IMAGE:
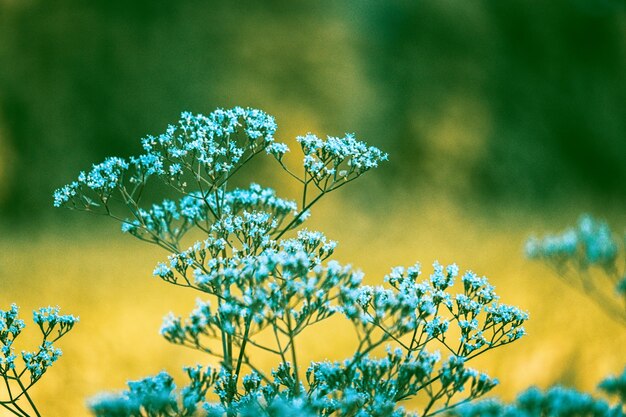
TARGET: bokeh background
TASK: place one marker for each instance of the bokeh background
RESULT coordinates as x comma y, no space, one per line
500,118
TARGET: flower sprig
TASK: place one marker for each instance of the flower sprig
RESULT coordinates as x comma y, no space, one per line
19,378
425,310
332,162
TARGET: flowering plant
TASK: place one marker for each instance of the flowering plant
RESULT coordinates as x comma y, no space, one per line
19,378
265,279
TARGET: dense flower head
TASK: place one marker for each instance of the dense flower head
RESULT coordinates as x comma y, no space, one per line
10,328
49,319
442,280
428,308
65,194
252,406
196,157
454,376
258,198
277,149
286,278
10,324
334,389
200,149
336,160
38,362
312,242
102,179
154,393
160,220
211,142
359,386
270,286
338,386
255,251
105,175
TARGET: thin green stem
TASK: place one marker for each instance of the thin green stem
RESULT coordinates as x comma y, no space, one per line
12,410
295,219
242,349
24,391
294,357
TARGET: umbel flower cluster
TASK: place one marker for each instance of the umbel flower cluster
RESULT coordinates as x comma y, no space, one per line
264,279
21,373
590,258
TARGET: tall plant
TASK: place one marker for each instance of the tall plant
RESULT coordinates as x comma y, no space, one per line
265,279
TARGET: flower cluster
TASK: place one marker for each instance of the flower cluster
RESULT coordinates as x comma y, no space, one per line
48,319
103,179
169,221
209,147
334,161
287,289
38,362
416,309
203,150
263,282
425,311
355,387
346,388
53,326
574,252
10,328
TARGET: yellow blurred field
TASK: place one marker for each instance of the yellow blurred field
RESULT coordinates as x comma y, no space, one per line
106,279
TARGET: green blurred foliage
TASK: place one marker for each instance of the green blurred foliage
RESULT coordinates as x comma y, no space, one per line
550,78
519,101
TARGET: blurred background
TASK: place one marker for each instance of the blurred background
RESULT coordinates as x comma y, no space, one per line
501,119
